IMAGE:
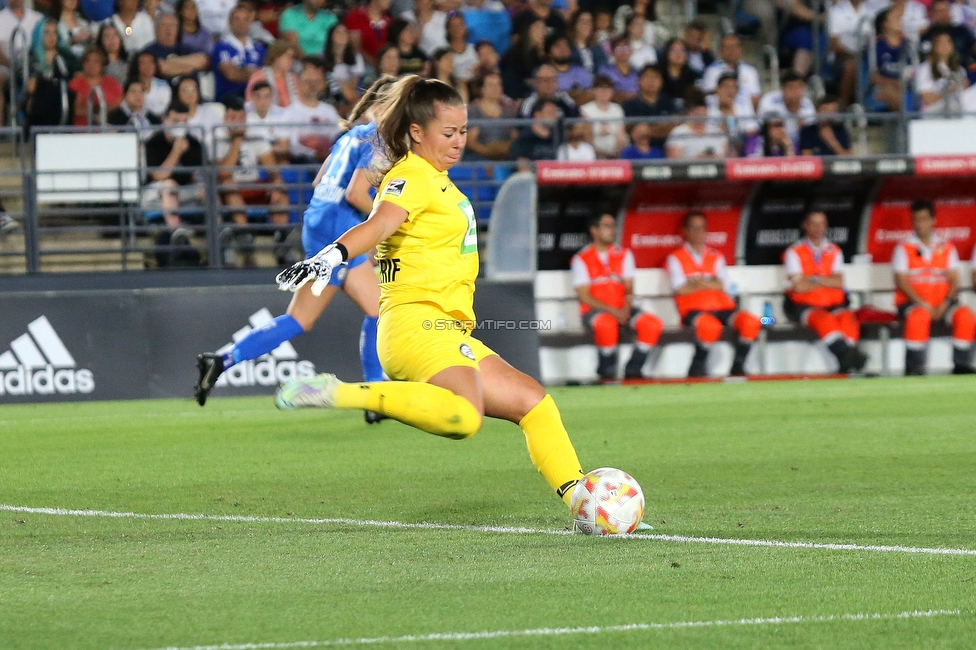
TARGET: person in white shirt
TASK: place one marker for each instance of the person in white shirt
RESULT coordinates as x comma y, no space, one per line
576,148
940,81
642,52
733,113
15,16
696,138
135,26
790,103
730,51
215,15
314,124
849,25
606,117
145,67
266,121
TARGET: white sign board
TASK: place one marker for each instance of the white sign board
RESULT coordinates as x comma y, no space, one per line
87,167
942,137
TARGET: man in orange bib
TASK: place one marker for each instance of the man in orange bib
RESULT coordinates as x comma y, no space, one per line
927,282
603,275
700,283
816,297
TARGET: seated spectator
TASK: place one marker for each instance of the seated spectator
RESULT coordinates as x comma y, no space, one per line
572,79
367,28
134,26
488,20
203,117
277,73
603,276
577,148
51,66
816,297
315,124
847,24
677,76
609,135
538,141
132,111
647,9
697,138
796,40
940,79
193,35
242,154
465,58
14,16
735,114
255,28
527,53
265,120
775,141
926,269
151,7
488,59
442,67
642,52
236,57
913,15
404,36
110,43
730,53
215,16
620,72
74,29
891,50
829,136
168,188
306,25
698,44
539,10
603,27
546,83
93,75
587,53
642,147
651,102
791,103
703,295
173,59
144,68
344,66
487,141
432,24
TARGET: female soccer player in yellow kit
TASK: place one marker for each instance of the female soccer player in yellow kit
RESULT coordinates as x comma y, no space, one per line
424,230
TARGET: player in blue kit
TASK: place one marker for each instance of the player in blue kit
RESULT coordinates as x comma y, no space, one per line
343,198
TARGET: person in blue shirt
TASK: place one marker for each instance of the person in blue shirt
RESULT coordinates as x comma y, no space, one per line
343,198
236,56
891,49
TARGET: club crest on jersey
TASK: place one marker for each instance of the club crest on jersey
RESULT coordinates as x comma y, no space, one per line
467,351
395,187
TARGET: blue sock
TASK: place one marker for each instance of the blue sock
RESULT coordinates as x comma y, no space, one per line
372,370
263,340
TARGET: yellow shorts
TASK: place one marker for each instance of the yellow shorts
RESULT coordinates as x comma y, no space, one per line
415,341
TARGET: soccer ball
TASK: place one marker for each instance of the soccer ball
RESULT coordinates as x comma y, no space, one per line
607,501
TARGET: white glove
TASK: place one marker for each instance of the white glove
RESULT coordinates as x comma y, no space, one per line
319,268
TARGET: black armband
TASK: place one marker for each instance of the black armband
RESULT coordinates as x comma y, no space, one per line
342,250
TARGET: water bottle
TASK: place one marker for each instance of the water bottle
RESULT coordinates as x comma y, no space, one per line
767,320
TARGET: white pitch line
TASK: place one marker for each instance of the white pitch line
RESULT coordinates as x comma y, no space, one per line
563,631
681,539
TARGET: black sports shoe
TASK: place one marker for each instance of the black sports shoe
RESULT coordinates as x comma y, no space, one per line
963,370
372,417
853,361
738,369
210,365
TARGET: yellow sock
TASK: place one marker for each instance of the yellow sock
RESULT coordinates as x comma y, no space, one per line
430,408
550,449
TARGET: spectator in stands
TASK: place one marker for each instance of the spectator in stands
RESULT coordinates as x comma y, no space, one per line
609,135
586,53
404,36
926,269
465,58
735,115
577,147
92,75
277,73
703,295
698,45
774,139
912,14
539,10
488,59
173,59
266,120
940,79
215,16
651,100
74,29
488,20
572,79
643,8
891,51
677,76
816,297
730,52
642,52
14,16
603,275
940,19
442,67
168,188
255,28
145,68
306,25
489,141
367,28
51,69
828,136
203,118
848,27
193,35
388,63
110,43
546,83
236,57
132,111
603,26
523,58
643,147
432,24
151,7
318,122
134,26
697,137
791,103
797,36
620,72
344,66
538,141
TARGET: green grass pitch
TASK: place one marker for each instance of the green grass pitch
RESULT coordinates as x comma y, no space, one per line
872,462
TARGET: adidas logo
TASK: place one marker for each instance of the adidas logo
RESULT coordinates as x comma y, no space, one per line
271,369
38,363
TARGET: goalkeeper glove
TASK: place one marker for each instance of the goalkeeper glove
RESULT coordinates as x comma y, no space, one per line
318,268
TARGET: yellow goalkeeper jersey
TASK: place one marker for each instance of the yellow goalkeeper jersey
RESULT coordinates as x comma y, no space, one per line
433,256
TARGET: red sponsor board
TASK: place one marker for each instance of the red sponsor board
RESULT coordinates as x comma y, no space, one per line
652,226
891,217
773,169
595,173
945,166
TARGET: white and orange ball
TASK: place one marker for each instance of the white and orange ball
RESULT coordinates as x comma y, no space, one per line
607,501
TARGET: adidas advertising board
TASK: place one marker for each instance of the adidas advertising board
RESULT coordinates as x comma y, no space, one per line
270,370
38,363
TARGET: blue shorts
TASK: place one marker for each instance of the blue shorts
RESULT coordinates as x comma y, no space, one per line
323,225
